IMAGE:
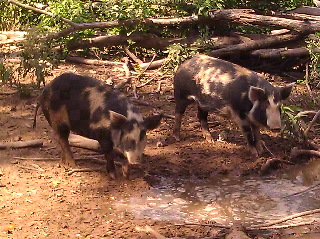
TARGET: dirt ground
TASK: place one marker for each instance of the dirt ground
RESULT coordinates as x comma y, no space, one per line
38,199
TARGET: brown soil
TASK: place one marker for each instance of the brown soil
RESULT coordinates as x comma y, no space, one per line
39,200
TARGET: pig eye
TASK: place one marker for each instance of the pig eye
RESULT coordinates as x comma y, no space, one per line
129,144
142,134
264,105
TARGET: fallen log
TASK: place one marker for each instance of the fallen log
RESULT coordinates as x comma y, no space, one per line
129,22
21,144
147,41
295,152
93,62
281,52
253,45
152,65
231,15
85,143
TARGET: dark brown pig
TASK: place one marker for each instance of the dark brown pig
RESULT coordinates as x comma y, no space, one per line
95,110
217,85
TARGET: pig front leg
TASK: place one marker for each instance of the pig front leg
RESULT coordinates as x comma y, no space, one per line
252,135
257,138
107,149
203,119
249,136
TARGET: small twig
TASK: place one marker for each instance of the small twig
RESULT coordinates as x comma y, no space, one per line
304,191
273,162
295,152
146,83
304,113
307,83
149,63
305,213
135,94
9,93
128,74
159,84
143,103
42,12
264,145
168,116
282,226
21,144
34,167
36,159
311,124
132,56
37,167
86,170
202,224
155,233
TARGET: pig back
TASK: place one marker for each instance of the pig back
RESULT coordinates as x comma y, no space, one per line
86,100
214,82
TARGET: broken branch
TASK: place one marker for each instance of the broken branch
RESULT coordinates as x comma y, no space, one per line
42,12
21,144
305,213
295,152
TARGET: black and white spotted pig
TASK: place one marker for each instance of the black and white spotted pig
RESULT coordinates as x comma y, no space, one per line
93,109
218,85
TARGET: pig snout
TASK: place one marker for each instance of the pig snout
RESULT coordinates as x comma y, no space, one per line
134,158
273,118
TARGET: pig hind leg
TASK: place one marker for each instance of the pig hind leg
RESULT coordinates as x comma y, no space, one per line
181,106
203,119
62,131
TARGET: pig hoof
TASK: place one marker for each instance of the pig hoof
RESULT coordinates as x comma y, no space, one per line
125,171
177,137
112,175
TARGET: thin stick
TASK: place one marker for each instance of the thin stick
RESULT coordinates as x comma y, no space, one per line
202,224
143,103
21,144
36,159
146,83
283,226
128,74
146,68
305,213
304,191
86,170
9,93
264,145
132,56
155,233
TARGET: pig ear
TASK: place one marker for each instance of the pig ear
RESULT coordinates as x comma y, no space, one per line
117,120
286,90
151,122
255,93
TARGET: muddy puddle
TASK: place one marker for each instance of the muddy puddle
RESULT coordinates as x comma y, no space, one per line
225,200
